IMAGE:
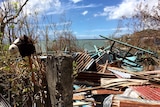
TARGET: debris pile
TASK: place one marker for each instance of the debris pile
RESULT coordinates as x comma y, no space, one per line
119,75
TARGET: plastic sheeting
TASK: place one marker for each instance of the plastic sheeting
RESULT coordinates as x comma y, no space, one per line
121,74
108,101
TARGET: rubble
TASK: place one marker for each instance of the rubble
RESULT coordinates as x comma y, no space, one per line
106,74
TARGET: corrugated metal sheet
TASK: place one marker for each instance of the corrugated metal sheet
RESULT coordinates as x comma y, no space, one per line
4,102
148,92
84,61
123,101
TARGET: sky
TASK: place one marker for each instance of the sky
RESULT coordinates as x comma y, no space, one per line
89,18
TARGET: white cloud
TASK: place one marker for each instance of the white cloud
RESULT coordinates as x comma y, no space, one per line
106,30
68,6
38,6
50,7
85,12
76,1
42,5
126,8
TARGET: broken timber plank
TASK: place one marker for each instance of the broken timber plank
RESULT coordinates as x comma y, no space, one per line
78,97
136,74
105,66
87,89
82,103
105,91
105,81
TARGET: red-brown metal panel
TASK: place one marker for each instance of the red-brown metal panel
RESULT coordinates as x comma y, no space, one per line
148,92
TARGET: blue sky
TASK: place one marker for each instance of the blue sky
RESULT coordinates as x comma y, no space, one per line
90,18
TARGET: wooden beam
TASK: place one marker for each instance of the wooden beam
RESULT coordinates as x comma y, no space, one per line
105,66
105,91
78,97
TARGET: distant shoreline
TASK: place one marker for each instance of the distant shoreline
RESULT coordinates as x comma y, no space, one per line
90,39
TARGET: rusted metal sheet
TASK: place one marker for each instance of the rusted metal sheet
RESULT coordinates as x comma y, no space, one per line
148,92
136,104
121,101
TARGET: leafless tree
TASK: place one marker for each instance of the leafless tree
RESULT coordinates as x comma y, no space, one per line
58,35
9,13
150,17
144,26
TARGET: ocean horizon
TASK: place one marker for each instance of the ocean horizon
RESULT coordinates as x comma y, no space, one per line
85,44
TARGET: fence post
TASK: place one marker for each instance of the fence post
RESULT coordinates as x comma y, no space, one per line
60,81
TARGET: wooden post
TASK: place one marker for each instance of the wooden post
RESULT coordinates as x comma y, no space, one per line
60,81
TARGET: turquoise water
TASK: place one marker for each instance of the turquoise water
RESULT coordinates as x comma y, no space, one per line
88,44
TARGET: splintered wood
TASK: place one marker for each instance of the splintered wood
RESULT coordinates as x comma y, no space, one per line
120,82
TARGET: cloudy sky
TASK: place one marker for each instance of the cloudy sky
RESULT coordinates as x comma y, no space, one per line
90,18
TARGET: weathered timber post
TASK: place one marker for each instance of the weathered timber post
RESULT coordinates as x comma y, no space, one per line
60,81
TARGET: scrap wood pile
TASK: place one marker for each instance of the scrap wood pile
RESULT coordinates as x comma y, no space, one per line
109,75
